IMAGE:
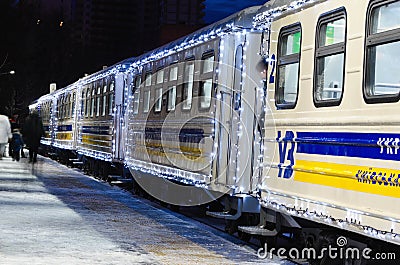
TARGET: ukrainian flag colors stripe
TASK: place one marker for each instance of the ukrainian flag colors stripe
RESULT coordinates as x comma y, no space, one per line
97,140
380,181
64,136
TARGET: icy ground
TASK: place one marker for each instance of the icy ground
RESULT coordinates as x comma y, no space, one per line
51,214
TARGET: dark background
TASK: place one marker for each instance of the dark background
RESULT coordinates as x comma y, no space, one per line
59,41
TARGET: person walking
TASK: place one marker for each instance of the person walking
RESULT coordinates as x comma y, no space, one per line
17,143
32,133
5,133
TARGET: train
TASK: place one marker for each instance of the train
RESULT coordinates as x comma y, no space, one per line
285,114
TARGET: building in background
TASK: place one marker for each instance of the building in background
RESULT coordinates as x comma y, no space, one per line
58,41
179,18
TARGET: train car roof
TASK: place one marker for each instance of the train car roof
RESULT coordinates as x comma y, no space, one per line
275,8
236,22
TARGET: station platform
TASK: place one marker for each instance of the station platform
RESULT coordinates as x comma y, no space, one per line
52,214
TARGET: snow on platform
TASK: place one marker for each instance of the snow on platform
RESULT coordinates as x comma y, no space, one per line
51,214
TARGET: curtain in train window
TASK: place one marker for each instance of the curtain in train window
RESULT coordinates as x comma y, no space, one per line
330,56
287,85
382,82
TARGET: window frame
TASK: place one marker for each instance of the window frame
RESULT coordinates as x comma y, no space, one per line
111,96
136,100
204,77
157,87
375,40
189,60
99,98
329,50
283,60
92,101
172,86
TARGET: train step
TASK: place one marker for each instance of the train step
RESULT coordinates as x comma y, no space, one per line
118,180
257,230
121,182
221,215
114,177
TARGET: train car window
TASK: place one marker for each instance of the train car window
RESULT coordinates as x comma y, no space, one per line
138,81
158,91
73,104
289,46
330,58
205,94
158,105
98,105
146,101
58,109
188,86
68,106
93,102
63,99
173,73
104,105
136,99
147,81
382,53
111,99
160,78
208,64
171,98
206,85
83,102
87,102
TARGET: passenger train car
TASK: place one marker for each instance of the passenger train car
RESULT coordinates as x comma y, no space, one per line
332,97
284,113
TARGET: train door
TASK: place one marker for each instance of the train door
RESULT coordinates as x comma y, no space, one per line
228,124
236,106
224,136
118,116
